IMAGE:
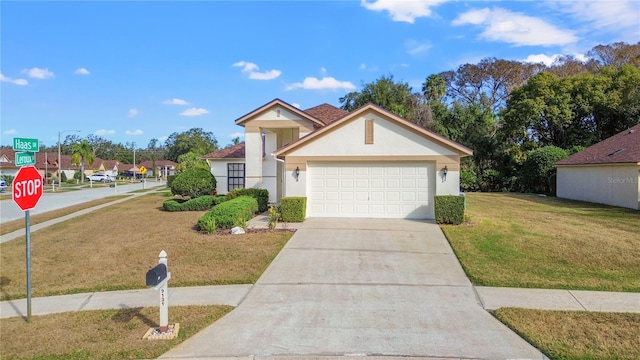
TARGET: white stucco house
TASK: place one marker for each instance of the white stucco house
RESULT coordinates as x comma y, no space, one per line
605,173
365,163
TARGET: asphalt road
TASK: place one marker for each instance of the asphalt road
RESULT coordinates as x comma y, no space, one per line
50,201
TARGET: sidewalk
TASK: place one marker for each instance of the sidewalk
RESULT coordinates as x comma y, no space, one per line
490,298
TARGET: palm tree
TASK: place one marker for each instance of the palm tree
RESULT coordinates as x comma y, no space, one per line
79,153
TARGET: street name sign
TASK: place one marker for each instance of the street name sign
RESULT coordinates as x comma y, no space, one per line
25,158
26,144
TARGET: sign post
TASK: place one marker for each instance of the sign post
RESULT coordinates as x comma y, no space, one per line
27,191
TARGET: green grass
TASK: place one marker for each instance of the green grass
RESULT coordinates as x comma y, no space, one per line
577,335
517,240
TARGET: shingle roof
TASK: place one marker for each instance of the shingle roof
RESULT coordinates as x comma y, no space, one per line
621,148
231,152
326,113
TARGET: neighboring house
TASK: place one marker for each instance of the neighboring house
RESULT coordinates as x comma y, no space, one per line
364,163
164,168
605,173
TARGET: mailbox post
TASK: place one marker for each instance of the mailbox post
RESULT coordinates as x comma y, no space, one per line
158,277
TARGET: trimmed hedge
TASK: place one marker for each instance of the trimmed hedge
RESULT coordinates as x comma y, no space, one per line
293,209
449,209
262,195
193,183
200,203
170,179
234,212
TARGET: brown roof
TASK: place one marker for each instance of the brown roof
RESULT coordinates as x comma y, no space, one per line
621,148
159,163
326,113
231,152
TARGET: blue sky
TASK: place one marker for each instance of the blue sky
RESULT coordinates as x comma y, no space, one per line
133,71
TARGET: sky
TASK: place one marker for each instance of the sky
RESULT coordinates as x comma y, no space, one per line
132,71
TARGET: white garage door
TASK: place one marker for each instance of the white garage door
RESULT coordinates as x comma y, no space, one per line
377,190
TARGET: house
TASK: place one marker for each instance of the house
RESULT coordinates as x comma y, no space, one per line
365,163
605,173
163,168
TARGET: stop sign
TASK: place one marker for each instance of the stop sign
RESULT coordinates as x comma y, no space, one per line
27,188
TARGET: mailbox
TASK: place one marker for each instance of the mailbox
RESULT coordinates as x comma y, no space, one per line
156,275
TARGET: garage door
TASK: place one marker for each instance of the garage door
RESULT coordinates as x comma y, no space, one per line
377,190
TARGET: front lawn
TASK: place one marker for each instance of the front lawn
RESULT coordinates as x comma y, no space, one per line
577,334
112,249
519,240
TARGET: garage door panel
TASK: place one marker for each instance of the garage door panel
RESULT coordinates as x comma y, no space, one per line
400,190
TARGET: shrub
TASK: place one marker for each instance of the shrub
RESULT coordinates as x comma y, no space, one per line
293,209
235,212
274,216
538,173
468,180
262,195
63,176
449,209
170,179
200,203
193,183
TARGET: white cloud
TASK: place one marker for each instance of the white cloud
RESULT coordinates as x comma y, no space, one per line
549,60
175,101
236,135
515,28
312,83
416,47
10,132
618,16
135,132
38,73
252,70
194,112
104,132
406,11
163,138
133,112
296,105
323,70
21,82
363,66
81,71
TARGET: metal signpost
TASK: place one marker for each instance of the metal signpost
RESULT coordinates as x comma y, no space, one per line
27,191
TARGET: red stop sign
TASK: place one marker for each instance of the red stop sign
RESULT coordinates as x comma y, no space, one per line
27,188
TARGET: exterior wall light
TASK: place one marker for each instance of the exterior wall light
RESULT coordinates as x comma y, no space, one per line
445,170
297,172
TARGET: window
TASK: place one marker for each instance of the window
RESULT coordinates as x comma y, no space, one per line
235,176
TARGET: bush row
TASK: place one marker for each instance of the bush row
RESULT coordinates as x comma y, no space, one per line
261,195
200,203
235,212
449,209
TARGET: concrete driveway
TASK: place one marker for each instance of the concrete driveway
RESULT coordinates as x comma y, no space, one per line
361,287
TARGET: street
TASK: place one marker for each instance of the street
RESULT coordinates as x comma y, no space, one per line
9,211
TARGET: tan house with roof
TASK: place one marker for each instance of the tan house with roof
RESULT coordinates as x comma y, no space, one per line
365,163
605,173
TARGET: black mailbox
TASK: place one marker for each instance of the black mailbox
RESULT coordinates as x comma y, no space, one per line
156,275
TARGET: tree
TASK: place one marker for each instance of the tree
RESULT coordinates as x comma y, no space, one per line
616,54
384,92
194,140
81,152
235,141
538,173
488,83
191,160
